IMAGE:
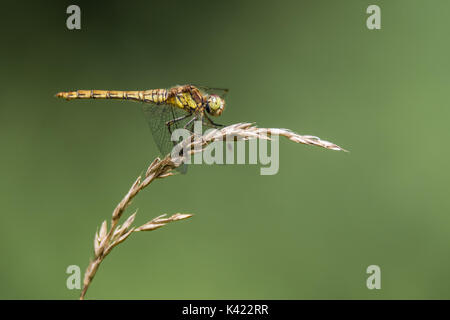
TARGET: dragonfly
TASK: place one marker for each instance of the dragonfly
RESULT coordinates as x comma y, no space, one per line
167,109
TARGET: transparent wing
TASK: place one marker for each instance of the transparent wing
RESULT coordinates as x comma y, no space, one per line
157,115
221,92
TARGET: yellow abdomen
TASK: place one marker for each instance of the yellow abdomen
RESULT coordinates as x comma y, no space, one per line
154,95
176,98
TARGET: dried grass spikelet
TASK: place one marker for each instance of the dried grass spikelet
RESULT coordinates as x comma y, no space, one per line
105,240
246,131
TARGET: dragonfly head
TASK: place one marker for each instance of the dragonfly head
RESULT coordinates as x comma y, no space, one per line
215,105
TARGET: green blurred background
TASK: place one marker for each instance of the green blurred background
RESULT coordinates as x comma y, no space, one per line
308,232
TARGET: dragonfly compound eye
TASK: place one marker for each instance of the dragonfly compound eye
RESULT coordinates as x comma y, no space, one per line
215,105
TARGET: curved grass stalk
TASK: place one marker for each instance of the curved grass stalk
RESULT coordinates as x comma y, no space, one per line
105,240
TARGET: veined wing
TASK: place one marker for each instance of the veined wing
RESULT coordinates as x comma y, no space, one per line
221,92
157,116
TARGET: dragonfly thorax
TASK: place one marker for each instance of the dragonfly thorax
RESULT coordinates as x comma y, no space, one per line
215,105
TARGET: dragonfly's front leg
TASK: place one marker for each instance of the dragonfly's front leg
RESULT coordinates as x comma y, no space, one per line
216,125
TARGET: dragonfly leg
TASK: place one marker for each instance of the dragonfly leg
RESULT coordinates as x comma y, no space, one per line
186,126
216,125
191,122
170,123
